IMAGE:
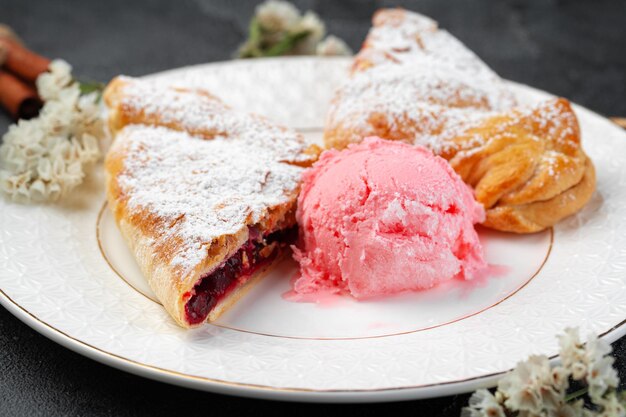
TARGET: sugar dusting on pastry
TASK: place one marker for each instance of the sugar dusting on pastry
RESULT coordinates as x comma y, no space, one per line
413,73
215,187
201,114
383,217
415,83
224,176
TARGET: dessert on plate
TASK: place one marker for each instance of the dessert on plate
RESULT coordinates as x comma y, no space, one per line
416,83
382,217
205,196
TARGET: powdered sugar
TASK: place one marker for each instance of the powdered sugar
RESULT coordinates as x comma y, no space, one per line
209,188
204,188
200,113
419,76
550,159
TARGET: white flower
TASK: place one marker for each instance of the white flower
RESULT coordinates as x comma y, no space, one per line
530,387
42,159
573,355
483,404
600,372
560,378
601,377
311,24
533,389
332,46
277,15
53,82
591,362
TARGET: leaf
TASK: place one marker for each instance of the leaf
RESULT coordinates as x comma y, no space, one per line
576,394
286,44
88,87
255,32
252,47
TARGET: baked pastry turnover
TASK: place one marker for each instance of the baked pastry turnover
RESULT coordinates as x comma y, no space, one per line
416,83
204,195
526,166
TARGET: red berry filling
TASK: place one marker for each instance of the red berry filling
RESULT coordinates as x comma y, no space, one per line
255,253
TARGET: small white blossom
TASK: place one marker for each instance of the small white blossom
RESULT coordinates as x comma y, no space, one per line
601,377
573,356
278,28
55,82
316,30
42,159
332,46
482,403
277,15
600,372
312,24
591,362
560,378
531,387
534,389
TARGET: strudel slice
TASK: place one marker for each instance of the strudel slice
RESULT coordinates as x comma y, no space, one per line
204,195
416,83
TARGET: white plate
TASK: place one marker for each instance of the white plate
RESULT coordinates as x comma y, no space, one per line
65,271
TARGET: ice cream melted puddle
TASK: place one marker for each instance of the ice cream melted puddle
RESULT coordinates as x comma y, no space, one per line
482,279
465,287
321,299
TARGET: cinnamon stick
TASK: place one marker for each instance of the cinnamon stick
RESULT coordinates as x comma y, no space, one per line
22,61
7,32
4,51
18,98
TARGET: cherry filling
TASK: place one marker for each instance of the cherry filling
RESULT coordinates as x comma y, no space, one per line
255,253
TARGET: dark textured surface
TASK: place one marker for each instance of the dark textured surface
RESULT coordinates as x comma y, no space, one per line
571,48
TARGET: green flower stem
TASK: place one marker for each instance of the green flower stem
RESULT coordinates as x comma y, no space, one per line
286,44
576,394
87,87
255,30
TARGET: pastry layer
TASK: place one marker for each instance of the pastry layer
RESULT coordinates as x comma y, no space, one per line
185,202
199,113
527,166
416,83
413,82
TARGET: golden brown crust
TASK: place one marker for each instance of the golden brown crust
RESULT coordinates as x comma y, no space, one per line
122,113
141,230
539,215
154,238
522,161
518,160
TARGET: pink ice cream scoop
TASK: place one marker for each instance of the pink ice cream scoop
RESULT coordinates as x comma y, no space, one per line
383,217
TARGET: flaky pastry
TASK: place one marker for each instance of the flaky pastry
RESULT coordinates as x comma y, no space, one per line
416,83
203,195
